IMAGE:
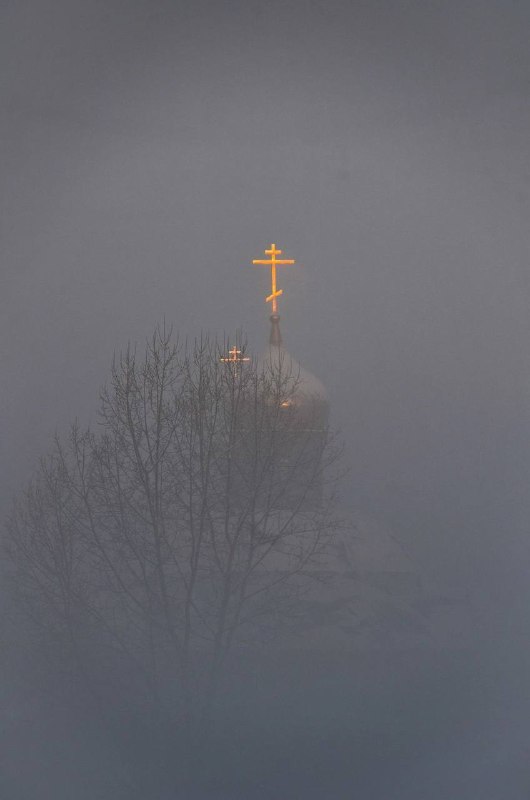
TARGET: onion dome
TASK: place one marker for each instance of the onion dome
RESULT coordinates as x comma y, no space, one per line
305,393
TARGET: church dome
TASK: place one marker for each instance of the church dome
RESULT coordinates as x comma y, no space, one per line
308,393
299,424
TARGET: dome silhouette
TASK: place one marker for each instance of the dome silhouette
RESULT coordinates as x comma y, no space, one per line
307,394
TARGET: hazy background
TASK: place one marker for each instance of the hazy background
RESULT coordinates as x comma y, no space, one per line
151,149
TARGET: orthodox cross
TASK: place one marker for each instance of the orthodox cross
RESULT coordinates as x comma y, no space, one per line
273,262
235,356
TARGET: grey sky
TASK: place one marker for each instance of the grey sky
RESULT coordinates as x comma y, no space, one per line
151,149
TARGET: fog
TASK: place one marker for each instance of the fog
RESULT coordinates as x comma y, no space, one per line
150,151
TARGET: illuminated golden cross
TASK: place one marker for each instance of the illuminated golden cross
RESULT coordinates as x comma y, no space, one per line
273,262
235,355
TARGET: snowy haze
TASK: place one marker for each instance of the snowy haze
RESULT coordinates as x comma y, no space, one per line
151,150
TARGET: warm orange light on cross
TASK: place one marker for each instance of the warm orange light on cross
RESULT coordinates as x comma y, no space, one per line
235,355
273,262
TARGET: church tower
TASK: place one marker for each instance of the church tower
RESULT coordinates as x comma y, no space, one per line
303,409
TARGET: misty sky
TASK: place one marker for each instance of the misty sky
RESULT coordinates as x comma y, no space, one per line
151,149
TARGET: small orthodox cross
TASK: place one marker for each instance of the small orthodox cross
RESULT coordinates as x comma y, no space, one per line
235,356
273,262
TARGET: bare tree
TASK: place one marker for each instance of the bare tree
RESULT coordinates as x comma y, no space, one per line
185,524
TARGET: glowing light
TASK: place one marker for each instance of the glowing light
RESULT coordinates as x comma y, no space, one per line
273,262
235,356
